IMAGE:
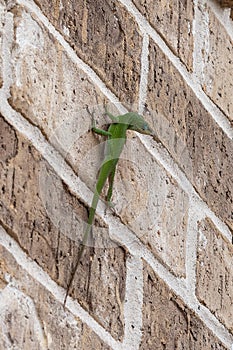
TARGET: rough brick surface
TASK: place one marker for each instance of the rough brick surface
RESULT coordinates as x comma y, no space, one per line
105,36
218,70
226,3
209,152
174,21
41,66
151,203
44,324
47,219
168,323
2,20
61,114
214,272
40,213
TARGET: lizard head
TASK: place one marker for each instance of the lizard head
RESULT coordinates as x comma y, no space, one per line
138,123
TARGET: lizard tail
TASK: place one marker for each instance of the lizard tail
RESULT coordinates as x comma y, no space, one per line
80,253
84,241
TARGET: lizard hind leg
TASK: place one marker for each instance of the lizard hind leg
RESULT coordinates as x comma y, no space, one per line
109,194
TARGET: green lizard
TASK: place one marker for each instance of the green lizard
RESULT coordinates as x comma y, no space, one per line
116,138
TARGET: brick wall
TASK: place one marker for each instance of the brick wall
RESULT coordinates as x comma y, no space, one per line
158,272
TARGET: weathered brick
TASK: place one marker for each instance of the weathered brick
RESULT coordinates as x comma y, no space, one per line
208,151
174,22
152,204
38,210
218,70
214,272
2,21
8,142
66,128
168,323
106,37
50,90
31,318
226,3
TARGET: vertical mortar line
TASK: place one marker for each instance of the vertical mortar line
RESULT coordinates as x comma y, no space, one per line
219,117
144,73
200,40
77,186
133,304
191,247
38,274
8,36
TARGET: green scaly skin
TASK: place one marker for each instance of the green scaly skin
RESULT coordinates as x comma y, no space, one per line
116,138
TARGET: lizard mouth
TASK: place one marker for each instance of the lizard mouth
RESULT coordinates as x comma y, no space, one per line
148,132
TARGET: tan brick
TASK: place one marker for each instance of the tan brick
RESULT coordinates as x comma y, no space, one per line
168,323
38,210
2,22
106,37
218,70
226,3
50,90
8,141
31,318
152,205
174,22
214,272
66,128
180,119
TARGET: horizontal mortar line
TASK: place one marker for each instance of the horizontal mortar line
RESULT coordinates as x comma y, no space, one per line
216,113
79,188
178,285
67,174
174,170
94,76
75,184
72,54
223,15
181,179
48,152
58,292
210,106
115,100
183,182
51,155
162,162
191,301
54,159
